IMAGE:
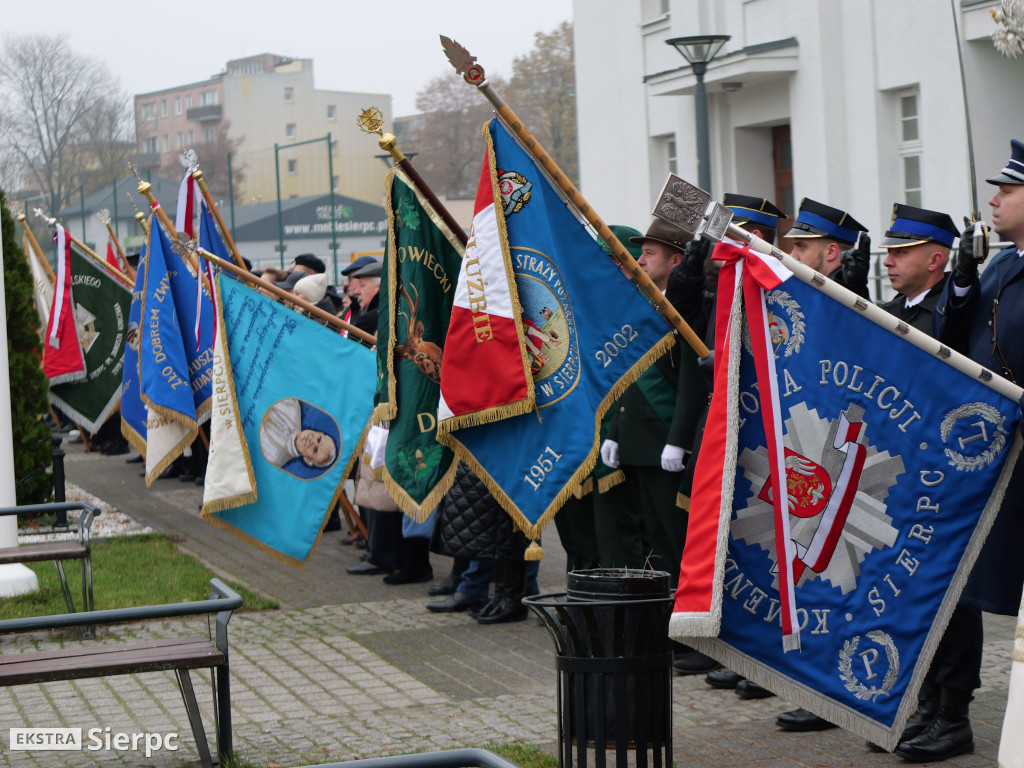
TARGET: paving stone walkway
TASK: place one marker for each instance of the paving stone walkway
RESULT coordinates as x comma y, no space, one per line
352,668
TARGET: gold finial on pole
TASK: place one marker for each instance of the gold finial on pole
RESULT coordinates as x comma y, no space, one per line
371,120
139,215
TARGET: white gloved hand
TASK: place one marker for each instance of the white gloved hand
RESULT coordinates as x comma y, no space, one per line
376,442
610,453
672,458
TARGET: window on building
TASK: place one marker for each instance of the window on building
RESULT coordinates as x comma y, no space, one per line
334,182
177,105
188,101
166,143
151,147
289,131
910,147
163,108
190,138
673,165
332,111
179,141
293,166
289,94
208,99
210,133
147,111
334,146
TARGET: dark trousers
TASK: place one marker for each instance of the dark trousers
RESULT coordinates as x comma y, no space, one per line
651,493
957,660
619,532
575,524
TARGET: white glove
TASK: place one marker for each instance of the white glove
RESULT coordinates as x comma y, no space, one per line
376,442
610,453
672,458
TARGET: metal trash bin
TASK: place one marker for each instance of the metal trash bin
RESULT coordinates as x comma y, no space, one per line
614,662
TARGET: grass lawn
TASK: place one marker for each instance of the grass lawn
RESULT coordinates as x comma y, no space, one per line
129,570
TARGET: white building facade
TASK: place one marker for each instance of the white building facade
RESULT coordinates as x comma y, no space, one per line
854,103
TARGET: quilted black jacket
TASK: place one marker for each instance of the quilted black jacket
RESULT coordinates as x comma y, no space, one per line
473,525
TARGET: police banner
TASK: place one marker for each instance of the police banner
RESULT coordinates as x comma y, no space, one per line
858,475
301,395
133,410
417,288
588,331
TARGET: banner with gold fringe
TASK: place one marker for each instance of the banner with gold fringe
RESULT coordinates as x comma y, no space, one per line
417,288
302,395
589,334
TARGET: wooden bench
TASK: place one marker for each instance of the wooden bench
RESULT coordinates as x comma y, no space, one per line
100,659
58,551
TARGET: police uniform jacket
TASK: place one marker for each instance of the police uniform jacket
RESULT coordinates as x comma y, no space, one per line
920,315
963,322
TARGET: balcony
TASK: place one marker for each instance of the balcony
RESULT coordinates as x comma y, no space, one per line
211,113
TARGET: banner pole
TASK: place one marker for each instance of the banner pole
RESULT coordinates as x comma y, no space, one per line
465,65
201,181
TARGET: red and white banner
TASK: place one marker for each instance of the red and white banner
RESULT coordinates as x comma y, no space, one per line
485,336
698,606
112,257
63,360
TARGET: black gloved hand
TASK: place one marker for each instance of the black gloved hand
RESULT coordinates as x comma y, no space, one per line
968,258
694,256
856,263
706,365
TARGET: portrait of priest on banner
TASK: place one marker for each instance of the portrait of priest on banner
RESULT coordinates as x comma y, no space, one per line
299,438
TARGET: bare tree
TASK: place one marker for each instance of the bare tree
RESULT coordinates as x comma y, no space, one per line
213,160
447,142
59,109
542,92
543,89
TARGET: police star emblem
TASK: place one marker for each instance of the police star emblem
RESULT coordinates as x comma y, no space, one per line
830,541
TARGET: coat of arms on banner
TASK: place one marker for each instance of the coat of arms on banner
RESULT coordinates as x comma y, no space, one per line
894,464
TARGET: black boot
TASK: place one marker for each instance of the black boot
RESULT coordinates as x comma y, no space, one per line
451,582
921,720
949,734
416,566
510,589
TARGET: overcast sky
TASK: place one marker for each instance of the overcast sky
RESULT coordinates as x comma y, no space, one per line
376,47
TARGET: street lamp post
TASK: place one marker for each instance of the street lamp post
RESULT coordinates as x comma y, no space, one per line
699,50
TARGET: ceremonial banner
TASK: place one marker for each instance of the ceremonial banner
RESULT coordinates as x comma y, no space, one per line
133,410
486,331
42,286
894,464
63,358
1011,743
101,305
229,480
112,256
303,395
422,264
163,361
589,333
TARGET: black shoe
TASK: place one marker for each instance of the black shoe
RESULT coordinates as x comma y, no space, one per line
486,608
799,720
746,689
694,663
200,480
366,568
917,723
186,476
508,609
135,459
446,587
457,602
723,678
949,735
412,575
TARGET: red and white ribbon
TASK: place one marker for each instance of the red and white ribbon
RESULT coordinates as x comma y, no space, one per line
62,285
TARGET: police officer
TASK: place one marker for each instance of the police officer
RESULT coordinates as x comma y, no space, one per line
832,242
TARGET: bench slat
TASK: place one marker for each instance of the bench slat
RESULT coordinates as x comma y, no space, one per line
119,659
48,550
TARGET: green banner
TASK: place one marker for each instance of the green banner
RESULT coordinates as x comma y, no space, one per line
101,317
421,268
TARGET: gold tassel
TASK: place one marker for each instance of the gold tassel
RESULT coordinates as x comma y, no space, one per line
533,552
